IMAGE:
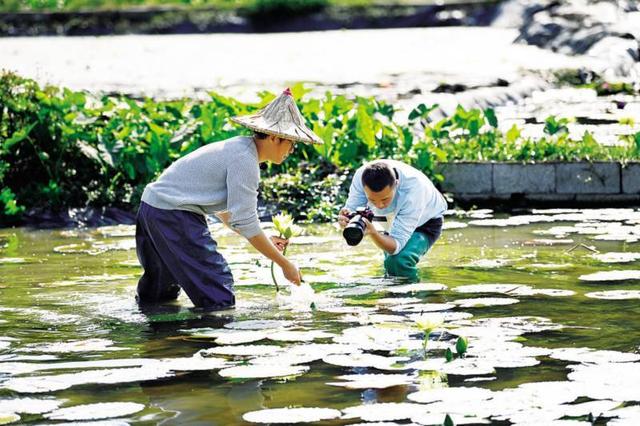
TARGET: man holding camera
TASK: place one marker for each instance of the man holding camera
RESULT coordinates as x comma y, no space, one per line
411,204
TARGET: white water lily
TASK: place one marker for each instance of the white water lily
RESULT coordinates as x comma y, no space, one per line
428,323
283,222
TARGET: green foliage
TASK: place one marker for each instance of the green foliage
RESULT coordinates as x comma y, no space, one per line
270,10
252,6
590,80
60,148
553,125
474,136
309,193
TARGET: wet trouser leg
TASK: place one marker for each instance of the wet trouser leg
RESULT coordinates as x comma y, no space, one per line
404,264
175,247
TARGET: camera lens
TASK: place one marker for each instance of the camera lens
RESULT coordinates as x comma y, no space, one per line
354,231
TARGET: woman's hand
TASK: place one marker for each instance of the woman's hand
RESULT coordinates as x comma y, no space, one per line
292,273
280,243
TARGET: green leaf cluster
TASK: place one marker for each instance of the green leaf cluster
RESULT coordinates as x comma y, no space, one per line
60,148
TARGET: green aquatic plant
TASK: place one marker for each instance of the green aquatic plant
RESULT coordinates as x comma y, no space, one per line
426,324
448,355
448,421
461,346
283,223
554,125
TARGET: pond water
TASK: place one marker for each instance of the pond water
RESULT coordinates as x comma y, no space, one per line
548,302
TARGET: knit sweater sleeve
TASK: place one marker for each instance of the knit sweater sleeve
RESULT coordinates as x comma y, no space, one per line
242,196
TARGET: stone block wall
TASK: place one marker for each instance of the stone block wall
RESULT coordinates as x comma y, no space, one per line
546,183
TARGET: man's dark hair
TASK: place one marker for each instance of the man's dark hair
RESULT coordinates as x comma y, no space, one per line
260,135
377,176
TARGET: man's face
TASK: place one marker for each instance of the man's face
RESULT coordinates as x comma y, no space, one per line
284,147
383,198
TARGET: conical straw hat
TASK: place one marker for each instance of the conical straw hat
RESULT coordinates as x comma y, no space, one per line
280,118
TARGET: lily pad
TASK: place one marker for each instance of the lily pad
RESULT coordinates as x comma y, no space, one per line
423,307
551,292
194,363
373,319
615,294
450,224
6,418
89,345
605,276
588,355
460,366
103,410
372,381
486,263
259,324
548,242
28,405
398,300
436,418
481,302
243,350
445,316
365,360
9,260
263,371
459,395
629,415
616,257
241,337
303,354
299,336
487,288
291,415
42,384
414,288
384,411
617,381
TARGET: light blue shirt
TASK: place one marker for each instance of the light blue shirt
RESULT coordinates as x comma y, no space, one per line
416,201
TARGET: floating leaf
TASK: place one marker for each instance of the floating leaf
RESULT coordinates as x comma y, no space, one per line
611,276
291,415
263,371
103,410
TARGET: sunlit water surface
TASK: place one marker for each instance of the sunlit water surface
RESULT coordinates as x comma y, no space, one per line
68,296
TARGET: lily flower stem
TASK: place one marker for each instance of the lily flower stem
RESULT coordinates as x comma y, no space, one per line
425,341
273,275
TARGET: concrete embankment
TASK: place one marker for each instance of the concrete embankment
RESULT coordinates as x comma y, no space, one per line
542,184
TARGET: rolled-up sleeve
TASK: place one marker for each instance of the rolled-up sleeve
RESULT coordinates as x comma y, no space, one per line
242,197
406,221
357,197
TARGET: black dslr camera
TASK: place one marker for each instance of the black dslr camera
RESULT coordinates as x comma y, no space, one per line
354,231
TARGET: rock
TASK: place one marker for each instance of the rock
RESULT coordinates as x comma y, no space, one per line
607,30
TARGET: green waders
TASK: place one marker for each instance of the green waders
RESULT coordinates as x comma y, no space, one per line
404,263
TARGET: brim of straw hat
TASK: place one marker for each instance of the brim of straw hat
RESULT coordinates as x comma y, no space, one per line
296,133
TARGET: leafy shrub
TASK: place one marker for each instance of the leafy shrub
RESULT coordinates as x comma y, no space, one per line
60,148
310,193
